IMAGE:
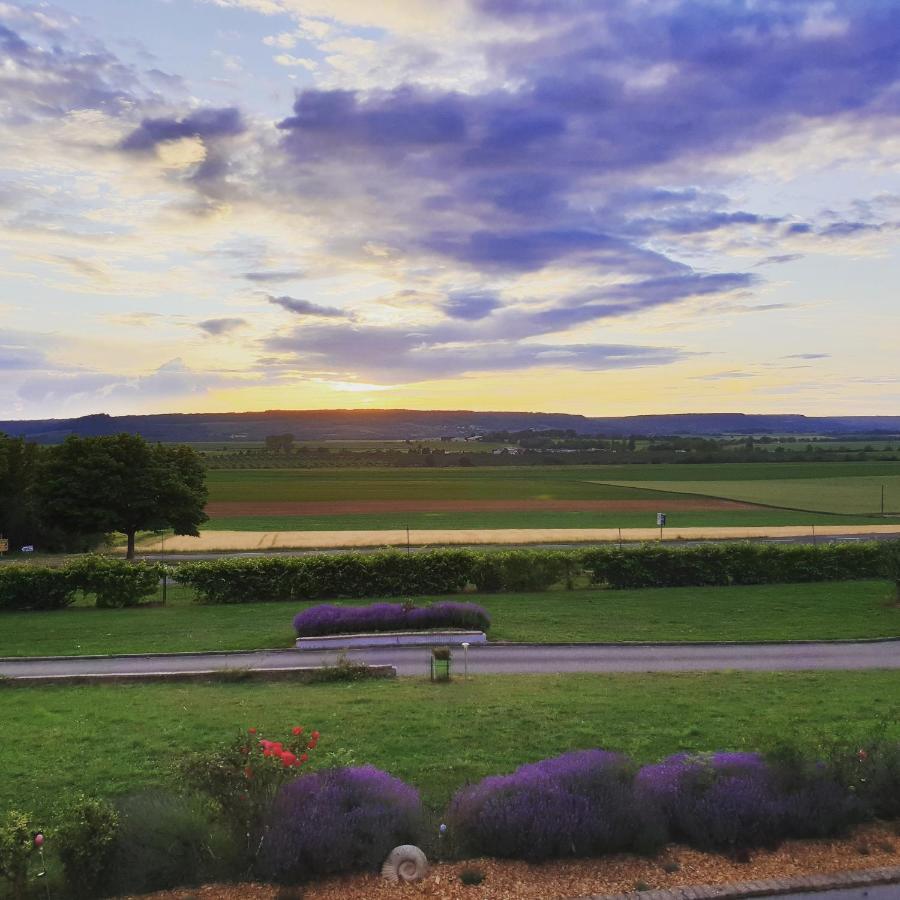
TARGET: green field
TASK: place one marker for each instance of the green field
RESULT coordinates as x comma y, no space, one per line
861,495
795,494
854,609
108,740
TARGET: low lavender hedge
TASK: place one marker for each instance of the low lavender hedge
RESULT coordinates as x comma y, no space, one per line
577,804
730,800
328,619
338,820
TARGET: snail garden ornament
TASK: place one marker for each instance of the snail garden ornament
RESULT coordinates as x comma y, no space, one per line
405,863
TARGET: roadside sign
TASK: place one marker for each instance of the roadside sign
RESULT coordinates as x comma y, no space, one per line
4,545
660,519
28,548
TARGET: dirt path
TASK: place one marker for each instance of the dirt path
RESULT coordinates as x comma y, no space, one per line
230,508
305,540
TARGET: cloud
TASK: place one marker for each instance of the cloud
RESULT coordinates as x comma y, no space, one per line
306,307
217,327
471,305
203,124
807,356
779,259
275,276
15,358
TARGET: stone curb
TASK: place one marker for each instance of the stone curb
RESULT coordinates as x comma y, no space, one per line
303,674
604,644
764,887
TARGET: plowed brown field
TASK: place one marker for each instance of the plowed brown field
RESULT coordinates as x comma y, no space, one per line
232,508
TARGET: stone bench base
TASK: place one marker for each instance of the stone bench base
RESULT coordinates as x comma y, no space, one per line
391,639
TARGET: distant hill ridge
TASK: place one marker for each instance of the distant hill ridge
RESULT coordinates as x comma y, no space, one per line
402,424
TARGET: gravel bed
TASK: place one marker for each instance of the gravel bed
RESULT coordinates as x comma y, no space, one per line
868,847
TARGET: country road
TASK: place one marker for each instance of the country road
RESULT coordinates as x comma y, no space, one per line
501,659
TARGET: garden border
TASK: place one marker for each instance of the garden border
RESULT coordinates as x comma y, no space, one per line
764,887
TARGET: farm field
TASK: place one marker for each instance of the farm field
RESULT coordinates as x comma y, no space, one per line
849,495
818,611
551,496
122,738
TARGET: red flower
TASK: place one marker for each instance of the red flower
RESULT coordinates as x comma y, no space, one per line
297,729
266,745
304,757
862,755
277,747
288,759
267,752
251,731
315,735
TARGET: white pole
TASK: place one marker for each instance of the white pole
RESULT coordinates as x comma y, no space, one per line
465,647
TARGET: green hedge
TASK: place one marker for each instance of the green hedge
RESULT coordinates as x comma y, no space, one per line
113,582
653,565
116,583
395,574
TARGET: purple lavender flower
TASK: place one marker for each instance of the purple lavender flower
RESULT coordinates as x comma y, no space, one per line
329,619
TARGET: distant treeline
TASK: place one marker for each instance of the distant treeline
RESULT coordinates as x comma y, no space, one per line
539,451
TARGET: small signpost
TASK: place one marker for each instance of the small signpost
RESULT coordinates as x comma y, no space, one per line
28,548
4,546
661,522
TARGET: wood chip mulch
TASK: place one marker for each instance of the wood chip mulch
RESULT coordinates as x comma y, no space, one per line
868,847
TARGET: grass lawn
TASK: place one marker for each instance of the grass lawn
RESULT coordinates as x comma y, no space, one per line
851,609
109,740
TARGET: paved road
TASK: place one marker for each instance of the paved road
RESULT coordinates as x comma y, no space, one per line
505,659
877,892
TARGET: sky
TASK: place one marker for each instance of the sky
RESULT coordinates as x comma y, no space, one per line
607,208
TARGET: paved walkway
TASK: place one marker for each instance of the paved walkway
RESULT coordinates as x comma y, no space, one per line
503,659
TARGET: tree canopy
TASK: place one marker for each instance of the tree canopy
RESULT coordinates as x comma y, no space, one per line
122,483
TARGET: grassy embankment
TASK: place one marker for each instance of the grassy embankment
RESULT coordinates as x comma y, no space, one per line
112,740
828,610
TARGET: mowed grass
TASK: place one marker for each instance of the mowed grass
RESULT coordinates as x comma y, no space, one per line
110,740
828,610
853,495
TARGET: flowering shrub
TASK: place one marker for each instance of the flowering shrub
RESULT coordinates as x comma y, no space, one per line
243,777
338,820
730,800
328,619
578,804
871,773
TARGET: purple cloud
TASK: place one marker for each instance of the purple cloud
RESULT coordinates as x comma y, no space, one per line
306,307
216,327
203,124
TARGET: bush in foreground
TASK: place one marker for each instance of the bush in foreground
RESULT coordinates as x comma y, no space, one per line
577,804
327,619
338,820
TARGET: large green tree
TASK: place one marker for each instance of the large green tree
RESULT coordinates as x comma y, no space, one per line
122,483
18,508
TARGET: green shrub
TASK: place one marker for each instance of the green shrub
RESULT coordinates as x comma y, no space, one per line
35,587
116,583
890,563
167,840
85,840
17,849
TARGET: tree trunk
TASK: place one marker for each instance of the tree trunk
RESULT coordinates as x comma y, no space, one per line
130,553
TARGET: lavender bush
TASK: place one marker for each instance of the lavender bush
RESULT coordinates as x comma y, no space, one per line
338,820
329,619
578,804
731,800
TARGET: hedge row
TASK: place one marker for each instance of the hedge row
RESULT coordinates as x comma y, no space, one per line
117,583
395,574
114,583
